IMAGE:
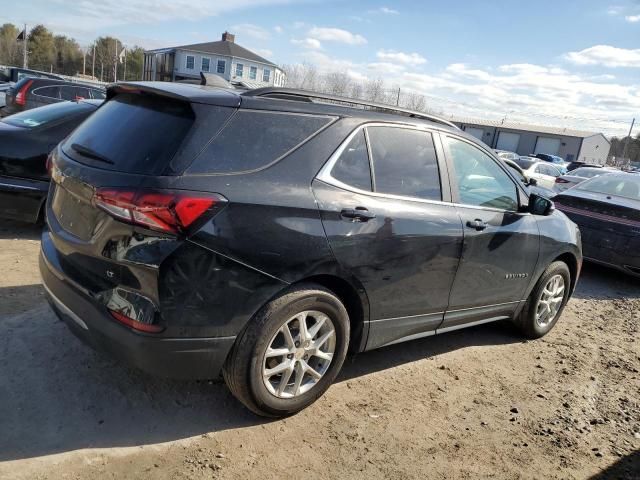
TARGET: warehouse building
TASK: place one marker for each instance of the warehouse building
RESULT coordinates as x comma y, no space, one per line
571,145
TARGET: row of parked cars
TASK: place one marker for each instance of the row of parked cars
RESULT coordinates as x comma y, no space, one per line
193,230
549,172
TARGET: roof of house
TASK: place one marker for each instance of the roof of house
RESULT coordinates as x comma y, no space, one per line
567,132
222,47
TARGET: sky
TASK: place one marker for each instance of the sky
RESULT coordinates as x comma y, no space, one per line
573,63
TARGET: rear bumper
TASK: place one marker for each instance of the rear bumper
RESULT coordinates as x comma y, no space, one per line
184,358
22,199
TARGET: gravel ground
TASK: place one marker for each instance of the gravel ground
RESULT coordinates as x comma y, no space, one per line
474,403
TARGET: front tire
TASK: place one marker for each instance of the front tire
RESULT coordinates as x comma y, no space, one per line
290,353
546,302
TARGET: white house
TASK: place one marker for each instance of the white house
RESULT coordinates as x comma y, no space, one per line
226,58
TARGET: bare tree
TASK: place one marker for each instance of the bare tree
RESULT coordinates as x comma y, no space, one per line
337,83
374,90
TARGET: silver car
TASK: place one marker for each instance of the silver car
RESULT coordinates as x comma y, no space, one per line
579,175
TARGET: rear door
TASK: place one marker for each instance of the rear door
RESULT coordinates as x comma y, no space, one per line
501,244
383,198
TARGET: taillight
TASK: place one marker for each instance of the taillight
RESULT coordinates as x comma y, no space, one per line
165,211
561,180
135,324
21,96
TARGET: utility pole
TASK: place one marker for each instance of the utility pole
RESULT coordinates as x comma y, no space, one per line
84,60
398,98
93,61
626,140
124,77
115,62
24,48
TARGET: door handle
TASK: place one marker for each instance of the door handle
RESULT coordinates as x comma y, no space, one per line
358,214
477,224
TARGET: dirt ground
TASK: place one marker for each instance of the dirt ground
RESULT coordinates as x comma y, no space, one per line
474,403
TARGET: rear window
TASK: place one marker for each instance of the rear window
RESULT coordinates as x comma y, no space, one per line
132,133
588,172
622,186
254,139
525,163
43,115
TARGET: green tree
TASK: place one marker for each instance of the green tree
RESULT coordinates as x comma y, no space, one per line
10,47
42,49
135,60
68,56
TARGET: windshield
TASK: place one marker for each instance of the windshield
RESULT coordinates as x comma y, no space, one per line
5,74
50,113
627,186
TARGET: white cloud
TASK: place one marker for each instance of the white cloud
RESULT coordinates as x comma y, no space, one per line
263,52
632,18
385,11
401,57
310,43
278,29
250,30
385,68
336,35
605,55
86,20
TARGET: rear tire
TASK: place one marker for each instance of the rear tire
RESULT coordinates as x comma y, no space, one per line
306,360
546,302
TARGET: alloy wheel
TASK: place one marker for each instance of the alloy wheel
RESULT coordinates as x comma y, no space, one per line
550,301
299,354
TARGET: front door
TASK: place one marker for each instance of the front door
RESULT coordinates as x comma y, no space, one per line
389,228
501,243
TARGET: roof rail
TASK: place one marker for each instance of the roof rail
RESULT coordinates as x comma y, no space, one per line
307,96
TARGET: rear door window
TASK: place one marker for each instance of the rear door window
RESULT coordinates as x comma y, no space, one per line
49,92
404,162
352,167
132,133
255,139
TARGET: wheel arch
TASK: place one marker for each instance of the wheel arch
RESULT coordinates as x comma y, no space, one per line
572,262
355,301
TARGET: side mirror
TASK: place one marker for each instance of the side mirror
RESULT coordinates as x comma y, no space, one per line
533,182
540,206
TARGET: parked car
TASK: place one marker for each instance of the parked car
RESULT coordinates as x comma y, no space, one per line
607,209
558,161
31,93
15,74
10,75
574,165
26,139
530,183
543,172
250,233
504,154
579,175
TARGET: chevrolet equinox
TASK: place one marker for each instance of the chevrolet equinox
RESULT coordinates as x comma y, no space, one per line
194,231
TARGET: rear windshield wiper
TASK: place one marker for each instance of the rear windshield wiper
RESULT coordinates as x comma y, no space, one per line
89,153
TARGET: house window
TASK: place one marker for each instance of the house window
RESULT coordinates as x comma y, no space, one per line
206,64
253,72
239,69
266,75
191,62
222,66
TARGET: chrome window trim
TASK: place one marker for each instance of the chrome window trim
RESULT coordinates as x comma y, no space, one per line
325,172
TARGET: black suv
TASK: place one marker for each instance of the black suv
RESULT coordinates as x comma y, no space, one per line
194,230
31,93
